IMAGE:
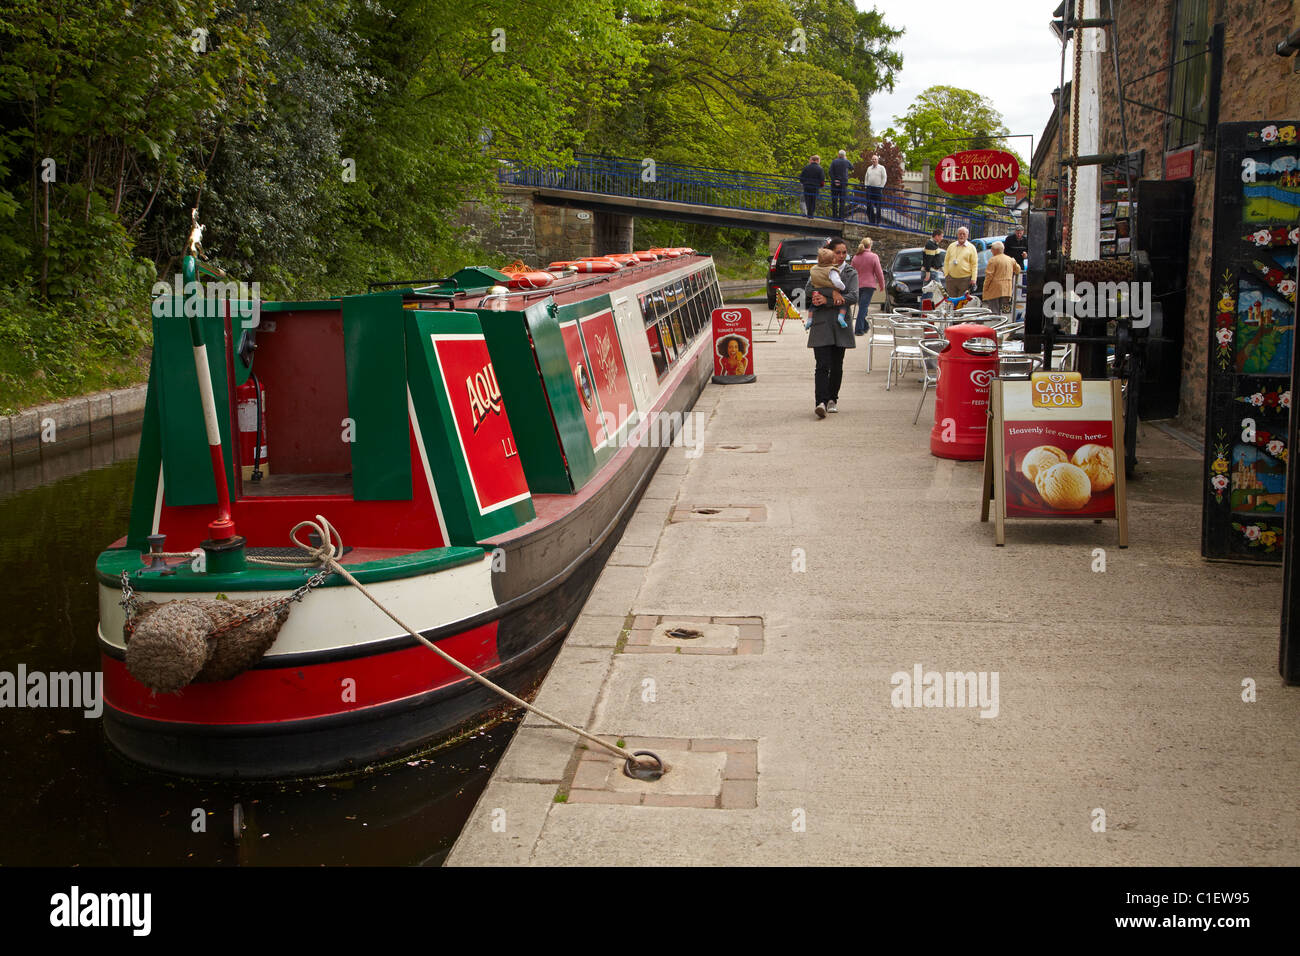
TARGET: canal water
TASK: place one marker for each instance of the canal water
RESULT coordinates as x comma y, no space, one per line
67,799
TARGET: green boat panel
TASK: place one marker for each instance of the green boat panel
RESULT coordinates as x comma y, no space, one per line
374,346
187,467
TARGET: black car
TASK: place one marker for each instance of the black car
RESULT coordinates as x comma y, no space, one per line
903,278
787,268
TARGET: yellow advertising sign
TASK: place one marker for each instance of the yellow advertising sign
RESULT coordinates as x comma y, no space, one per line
1056,389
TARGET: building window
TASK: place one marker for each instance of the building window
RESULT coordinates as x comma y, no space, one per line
1188,81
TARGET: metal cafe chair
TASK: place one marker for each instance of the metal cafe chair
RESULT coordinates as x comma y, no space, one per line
907,346
931,349
1018,366
880,334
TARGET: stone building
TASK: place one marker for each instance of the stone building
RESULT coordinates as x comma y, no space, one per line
1172,78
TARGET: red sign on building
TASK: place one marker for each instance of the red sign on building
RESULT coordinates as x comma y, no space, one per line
977,172
1181,164
733,346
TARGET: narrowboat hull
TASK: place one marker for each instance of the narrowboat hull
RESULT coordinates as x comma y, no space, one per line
511,605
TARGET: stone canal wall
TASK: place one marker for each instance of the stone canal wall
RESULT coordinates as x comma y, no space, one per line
53,441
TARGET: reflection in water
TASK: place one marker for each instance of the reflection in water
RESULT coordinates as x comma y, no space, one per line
68,799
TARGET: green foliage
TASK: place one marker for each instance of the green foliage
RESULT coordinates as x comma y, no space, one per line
252,111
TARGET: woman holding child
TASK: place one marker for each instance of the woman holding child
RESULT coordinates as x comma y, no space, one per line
831,291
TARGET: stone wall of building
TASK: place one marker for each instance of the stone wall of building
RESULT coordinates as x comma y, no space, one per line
1257,84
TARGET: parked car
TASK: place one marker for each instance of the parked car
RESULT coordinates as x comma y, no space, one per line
787,268
903,278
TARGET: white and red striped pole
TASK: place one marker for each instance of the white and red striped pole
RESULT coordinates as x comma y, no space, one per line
222,528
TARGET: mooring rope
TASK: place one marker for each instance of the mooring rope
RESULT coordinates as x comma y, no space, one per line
326,555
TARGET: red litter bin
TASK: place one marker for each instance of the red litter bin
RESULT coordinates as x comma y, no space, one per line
967,364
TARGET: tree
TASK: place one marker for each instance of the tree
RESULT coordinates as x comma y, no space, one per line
944,119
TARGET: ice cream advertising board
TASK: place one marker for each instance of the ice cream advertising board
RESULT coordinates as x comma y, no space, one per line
733,346
1055,451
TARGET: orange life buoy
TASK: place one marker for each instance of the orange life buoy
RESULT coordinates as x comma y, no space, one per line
598,264
646,256
530,280
563,264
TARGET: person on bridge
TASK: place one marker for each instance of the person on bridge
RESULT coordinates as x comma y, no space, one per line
813,178
826,337
840,169
961,265
870,278
874,178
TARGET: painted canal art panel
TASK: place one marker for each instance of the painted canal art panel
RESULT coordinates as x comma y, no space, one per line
1256,234
1265,323
482,425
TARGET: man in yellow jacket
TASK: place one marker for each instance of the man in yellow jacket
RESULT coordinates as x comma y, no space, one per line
960,265
999,279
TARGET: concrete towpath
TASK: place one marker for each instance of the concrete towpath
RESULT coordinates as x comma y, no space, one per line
843,553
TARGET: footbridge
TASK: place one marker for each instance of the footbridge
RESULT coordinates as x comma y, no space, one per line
721,197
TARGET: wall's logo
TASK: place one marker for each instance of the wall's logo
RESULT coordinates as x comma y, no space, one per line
981,377
730,318
484,394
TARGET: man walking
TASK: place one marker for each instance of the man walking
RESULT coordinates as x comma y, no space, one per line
840,169
874,179
1018,247
960,265
828,333
813,178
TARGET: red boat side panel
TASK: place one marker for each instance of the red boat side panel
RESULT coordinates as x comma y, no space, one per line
608,368
296,693
487,443
266,521
577,361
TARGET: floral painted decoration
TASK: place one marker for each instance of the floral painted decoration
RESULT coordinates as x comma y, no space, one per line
1219,467
1225,318
1276,236
1257,535
1268,401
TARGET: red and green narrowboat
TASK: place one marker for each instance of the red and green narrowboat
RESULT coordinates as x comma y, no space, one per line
479,443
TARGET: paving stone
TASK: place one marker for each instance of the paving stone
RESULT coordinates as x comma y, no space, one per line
603,796
739,794
702,801
716,636
595,630
687,773
741,766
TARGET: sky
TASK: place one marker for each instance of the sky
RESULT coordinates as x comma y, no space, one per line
1009,55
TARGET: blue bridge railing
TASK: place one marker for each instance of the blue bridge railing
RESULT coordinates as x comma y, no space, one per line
750,192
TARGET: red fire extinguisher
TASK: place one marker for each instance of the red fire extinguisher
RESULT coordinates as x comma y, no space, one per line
250,399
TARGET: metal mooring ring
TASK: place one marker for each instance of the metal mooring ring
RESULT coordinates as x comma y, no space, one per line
637,772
